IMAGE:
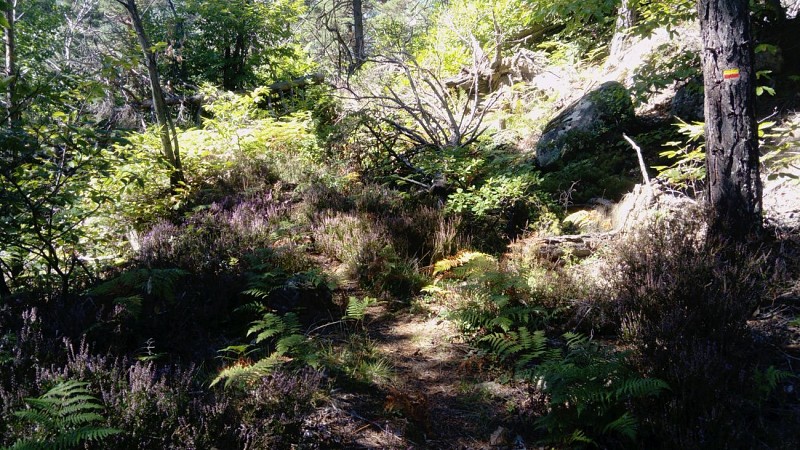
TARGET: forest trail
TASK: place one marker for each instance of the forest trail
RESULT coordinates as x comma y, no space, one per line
439,396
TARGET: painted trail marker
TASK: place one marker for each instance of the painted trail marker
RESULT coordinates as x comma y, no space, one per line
730,74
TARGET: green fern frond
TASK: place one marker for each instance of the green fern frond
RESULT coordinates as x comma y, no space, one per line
259,293
268,326
242,373
626,425
273,325
357,308
63,417
286,344
474,261
503,345
640,387
590,389
579,436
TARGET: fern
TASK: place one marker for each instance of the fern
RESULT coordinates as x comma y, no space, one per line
261,285
768,380
467,263
242,373
357,308
288,342
272,325
590,389
626,425
64,417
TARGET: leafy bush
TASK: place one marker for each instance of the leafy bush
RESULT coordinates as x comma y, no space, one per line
499,208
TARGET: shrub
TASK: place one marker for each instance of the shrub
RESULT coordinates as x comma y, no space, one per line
160,406
683,302
364,246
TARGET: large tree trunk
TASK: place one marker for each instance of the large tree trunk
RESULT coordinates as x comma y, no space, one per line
733,184
11,62
359,54
169,138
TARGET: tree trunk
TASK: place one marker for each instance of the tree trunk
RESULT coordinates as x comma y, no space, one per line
4,289
359,54
169,138
178,67
626,18
733,186
11,62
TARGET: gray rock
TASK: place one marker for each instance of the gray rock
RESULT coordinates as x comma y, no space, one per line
604,109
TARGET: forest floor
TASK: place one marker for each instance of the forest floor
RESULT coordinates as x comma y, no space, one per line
439,395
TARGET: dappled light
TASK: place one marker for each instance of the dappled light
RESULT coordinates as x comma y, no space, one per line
353,224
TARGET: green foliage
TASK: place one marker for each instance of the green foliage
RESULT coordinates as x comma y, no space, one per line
240,151
357,308
688,168
64,417
590,389
495,195
781,156
358,359
263,281
665,13
769,379
159,283
286,342
460,25
52,183
499,311
241,43
670,63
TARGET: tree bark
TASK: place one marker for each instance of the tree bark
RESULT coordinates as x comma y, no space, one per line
166,129
733,185
626,18
13,112
359,55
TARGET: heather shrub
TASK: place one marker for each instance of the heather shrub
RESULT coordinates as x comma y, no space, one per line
169,406
683,303
343,235
213,241
381,270
368,253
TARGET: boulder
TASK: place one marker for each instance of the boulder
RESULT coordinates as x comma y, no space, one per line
579,126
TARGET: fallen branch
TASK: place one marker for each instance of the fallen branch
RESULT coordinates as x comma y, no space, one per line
642,167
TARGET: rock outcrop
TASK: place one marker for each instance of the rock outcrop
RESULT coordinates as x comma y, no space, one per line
606,108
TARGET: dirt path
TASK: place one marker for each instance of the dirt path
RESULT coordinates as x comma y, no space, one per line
439,396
